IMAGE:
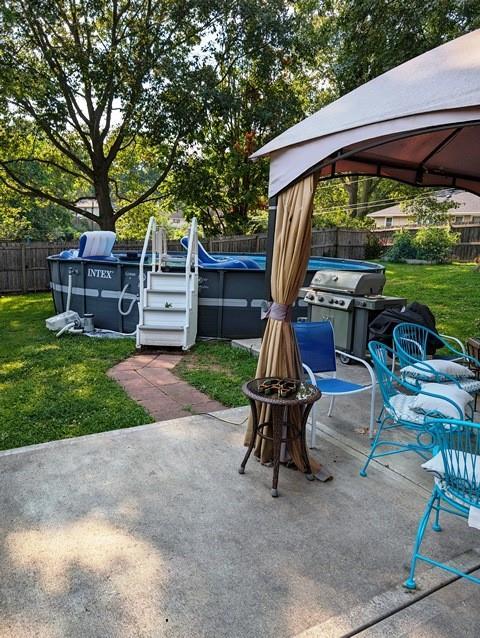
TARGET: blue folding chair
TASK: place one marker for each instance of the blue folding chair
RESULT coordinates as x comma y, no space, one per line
456,489
398,411
316,344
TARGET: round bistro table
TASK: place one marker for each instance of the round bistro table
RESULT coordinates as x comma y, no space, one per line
304,397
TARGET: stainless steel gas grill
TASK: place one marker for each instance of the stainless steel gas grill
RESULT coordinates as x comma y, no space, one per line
350,300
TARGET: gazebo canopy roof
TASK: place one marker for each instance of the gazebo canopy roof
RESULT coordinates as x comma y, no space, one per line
418,123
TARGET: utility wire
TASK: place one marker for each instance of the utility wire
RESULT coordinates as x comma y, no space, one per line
389,203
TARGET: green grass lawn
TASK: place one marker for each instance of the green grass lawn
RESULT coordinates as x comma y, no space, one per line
451,291
57,388
218,370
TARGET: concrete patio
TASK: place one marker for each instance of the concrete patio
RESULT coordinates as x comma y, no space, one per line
151,531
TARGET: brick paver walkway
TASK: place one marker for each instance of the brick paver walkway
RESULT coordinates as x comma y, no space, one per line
147,378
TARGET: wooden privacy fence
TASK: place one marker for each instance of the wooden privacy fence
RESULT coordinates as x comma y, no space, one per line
24,267
467,249
328,242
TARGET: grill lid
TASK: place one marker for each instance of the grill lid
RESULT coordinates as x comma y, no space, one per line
348,281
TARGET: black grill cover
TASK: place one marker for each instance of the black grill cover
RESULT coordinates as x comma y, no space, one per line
381,328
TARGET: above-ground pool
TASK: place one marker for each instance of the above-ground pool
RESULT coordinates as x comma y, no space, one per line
229,300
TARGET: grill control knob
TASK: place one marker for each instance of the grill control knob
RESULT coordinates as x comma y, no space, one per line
320,299
342,302
330,301
310,295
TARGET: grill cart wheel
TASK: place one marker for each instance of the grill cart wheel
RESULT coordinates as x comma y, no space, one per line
345,359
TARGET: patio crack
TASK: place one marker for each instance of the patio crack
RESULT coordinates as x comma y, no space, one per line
418,597
388,604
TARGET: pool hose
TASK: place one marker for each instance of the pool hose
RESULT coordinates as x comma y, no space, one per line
69,290
120,300
73,328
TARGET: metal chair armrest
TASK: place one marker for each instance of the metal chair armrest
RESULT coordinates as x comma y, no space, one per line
455,340
371,372
311,375
462,353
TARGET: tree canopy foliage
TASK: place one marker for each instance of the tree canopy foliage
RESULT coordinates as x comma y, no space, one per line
265,83
88,77
153,106
363,39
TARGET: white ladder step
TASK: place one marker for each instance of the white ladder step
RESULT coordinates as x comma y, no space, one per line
160,274
159,327
169,300
176,308
159,317
160,299
161,336
166,282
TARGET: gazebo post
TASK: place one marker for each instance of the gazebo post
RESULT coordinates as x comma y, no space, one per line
272,218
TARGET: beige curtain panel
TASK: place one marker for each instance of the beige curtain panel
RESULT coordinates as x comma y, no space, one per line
279,355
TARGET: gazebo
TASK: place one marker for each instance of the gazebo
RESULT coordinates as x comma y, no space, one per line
418,123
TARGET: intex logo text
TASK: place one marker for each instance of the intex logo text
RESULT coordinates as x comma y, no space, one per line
101,274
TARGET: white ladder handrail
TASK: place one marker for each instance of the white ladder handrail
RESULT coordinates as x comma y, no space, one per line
152,226
192,260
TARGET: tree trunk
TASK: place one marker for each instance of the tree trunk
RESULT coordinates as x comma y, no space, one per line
359,194
351,186
369,185
106,214
106,222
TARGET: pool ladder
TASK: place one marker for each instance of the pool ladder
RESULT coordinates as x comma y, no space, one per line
168,307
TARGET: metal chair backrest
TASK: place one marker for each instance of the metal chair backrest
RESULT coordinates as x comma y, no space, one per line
411,342
316,344
387,379
459,444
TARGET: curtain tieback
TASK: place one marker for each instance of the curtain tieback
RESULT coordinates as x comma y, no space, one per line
278,311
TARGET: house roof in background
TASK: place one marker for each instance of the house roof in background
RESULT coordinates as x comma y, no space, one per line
468,203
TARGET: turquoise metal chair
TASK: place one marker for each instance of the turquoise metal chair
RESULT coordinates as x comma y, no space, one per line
411,343
316,344
456,468
398,414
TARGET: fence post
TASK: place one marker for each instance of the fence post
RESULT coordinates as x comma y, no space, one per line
24,268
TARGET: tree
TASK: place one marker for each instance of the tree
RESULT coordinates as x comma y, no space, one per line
367,38
364,38
23,217
265,67
88,77
428,209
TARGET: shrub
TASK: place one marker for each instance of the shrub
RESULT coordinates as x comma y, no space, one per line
374,247
435,244
430,243
403,247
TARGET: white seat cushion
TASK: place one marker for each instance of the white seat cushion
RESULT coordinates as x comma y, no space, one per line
466,467
463,464
472,386
438,405
437,370
402,404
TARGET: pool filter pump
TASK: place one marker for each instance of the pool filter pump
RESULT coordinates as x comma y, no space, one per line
64,319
